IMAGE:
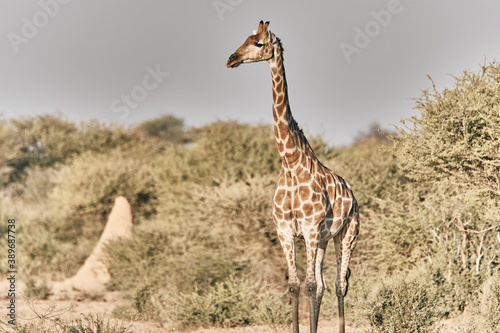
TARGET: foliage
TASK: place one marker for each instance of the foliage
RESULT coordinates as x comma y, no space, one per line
230,304
79,195
451,153
167,127
404,307
49,321
229,150
87,187
82,196
484,314
47,139
222,240
227,303
457,136
491,304
189,259
238,215
321,148
37,291
87,324
7,156
487,305
93,324
384,194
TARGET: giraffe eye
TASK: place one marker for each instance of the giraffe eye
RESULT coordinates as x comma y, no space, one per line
258,44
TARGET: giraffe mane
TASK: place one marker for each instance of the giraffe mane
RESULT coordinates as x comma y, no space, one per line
293,126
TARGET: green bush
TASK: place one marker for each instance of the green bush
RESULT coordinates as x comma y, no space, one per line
219,231
167,128
37,291
457,135
229,150
161,254
49,321
404,307
489,304
62,211
48,139
483,313
86,188
449,213
238,214
148,302
92,324
393,220
230,304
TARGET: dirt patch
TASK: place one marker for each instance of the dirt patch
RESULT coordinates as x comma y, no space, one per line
71,309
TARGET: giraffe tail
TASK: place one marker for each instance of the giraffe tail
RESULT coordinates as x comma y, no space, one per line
347,275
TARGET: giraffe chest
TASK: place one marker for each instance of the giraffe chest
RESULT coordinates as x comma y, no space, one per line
301,202
309,198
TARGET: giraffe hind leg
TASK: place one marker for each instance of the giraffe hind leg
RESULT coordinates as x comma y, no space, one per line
345,242
315,255
340,282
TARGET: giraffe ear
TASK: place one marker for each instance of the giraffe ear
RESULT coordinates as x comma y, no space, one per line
255,32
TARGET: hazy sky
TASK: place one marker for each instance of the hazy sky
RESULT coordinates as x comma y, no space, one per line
349,64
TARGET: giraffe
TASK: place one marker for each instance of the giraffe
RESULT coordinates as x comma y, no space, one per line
311,201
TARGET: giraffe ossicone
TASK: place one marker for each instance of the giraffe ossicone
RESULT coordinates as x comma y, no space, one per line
311,201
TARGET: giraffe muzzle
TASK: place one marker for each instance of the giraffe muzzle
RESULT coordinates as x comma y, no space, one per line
233,61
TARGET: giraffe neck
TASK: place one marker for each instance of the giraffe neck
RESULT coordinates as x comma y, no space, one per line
292,144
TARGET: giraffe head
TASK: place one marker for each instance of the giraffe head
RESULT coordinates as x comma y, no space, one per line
257,47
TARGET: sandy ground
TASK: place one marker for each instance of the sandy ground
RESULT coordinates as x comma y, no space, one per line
323,327
67,309
70,308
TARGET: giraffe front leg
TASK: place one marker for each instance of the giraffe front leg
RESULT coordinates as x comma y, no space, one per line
312,241
294,296
320,280
293,283
288,245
